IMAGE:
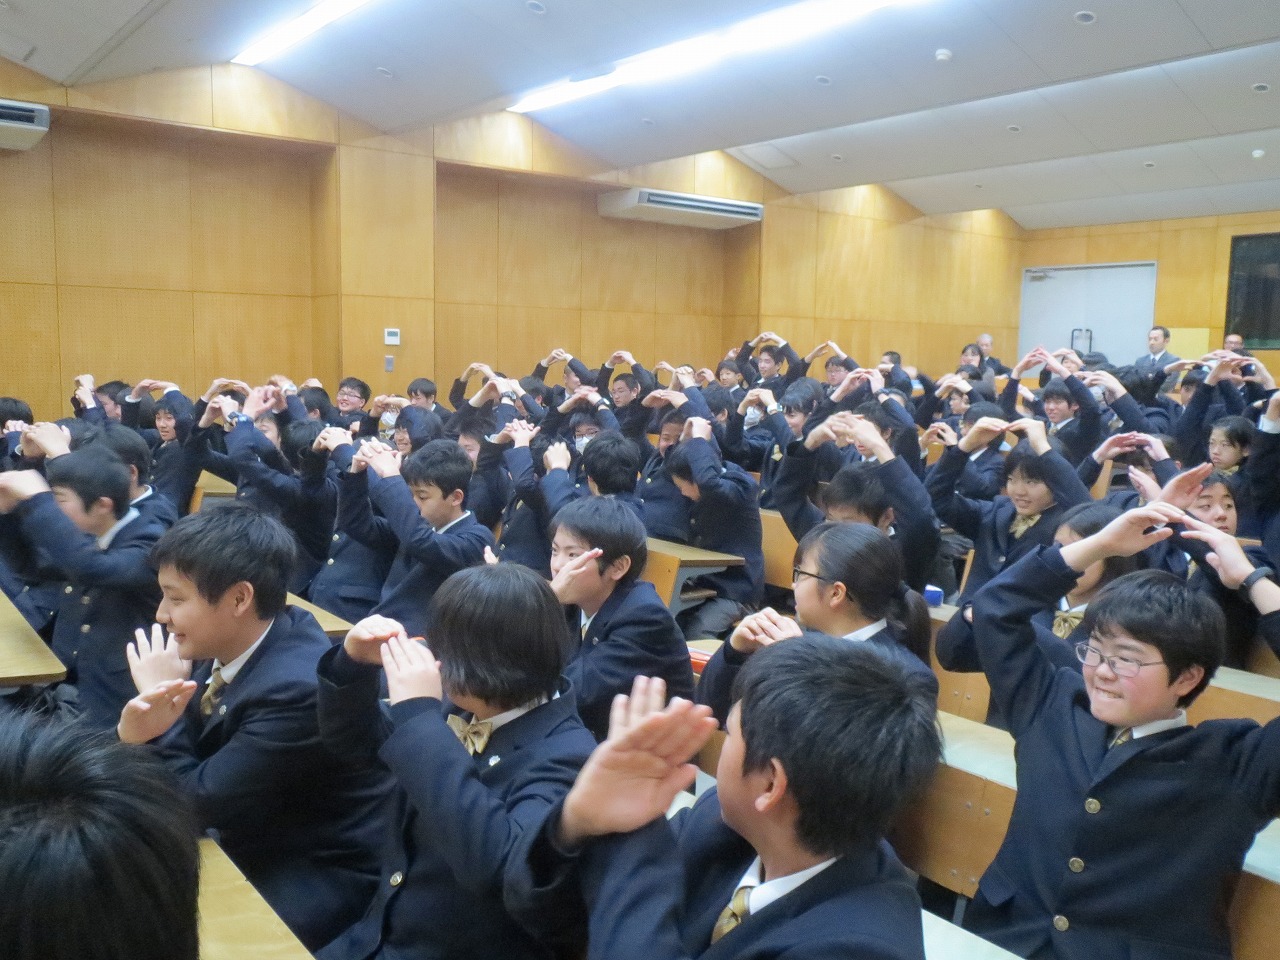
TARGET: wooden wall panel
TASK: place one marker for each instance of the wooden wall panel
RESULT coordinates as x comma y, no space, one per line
742,271
788,262
363,320
1186,258
326,237
527,334
256,102
177,96
603,332
841,272
26,197
620,263
492,140
251,337
387,216
19,83
31,368
122,210
464,333
690,271
467,216
243,202
539,244
326,339
692,339
129,334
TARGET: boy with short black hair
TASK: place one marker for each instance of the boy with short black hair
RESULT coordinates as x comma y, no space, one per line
786,856
1130,826
242,736
610,464
598,551
353,394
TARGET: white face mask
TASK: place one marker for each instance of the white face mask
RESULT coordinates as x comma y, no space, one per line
388,420
580,443
753,416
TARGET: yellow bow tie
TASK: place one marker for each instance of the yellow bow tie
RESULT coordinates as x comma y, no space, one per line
1022,524
474,734
1229,470
1065,621
732,915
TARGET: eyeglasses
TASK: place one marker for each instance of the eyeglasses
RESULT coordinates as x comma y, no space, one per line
1091,656
797,573
349,395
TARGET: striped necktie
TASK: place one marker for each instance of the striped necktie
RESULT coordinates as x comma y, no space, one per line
732,915
1121,738
212,693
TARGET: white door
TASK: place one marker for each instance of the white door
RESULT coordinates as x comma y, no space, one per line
1107,308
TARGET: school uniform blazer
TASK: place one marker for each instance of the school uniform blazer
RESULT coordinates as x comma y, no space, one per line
304,824
656,893
986,522
455,818
1209,403
726,519
202,446
154,506
666,511
525,518
488,490
796,368
983,478
1135,850
715,686
1262,473
1082,435
108,594
632,635
425,559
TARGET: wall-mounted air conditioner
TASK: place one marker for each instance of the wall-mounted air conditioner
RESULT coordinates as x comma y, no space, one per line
680,209
22,124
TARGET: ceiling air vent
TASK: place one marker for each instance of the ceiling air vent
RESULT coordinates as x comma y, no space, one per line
22,124
678,209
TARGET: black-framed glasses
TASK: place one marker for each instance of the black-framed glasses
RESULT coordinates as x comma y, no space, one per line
1091,656
797,573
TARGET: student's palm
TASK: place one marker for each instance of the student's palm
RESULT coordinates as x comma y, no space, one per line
153,712
155,660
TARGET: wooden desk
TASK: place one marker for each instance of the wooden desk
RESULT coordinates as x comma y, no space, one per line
212,486
694,562
953,833
779,550
24,657
946,941
235,922
333,625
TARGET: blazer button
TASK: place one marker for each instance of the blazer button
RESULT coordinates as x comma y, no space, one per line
337,537
1060,922
67,589
397,878
329,561
84,628
1075,864
999,559
1092,806
86,600
222,710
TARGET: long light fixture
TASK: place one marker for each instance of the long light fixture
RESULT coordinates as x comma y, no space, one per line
766,31
287,34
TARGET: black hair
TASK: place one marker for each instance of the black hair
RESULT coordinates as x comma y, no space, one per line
316,400
774,353
833,361
613,462
857,487
874,411
112,389
1026,462
500,635
535,387
678,416
869,565
1238,431
423,426
423,386
611,526
855,731
358,385
1056,389
1157,607
225,544
13,408
1163,330
172,405
584,418
98,849
1096,360
893,356
969,372
971,348
1086,519
628,380
1142,387
296,441
718,399
90,473
79,430
980,409
126,444
802,396
441,463
678,464
727,365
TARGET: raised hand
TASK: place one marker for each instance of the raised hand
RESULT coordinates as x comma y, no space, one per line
153,712
412,670
364,641
941,432
566,583
557,456
1132,532
1227,557
762,629
155,660
1182,490
982,432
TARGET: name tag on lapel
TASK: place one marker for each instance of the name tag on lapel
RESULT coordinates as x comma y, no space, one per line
493,761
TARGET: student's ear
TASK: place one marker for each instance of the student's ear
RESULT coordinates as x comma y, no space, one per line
774,789
839,594
591,485
240,595
102,505
886,520
618,569
1187,680
456,497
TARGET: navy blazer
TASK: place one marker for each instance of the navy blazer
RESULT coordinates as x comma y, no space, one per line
715,686
525,518
726,518
656,893
632,635
666,510
349,582
986,522
1157,828
302,822
456,818
1081,436
108,595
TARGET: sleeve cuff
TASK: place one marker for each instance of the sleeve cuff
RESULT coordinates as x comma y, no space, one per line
407,710
1267,425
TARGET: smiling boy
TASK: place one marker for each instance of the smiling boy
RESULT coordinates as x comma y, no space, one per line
1130,826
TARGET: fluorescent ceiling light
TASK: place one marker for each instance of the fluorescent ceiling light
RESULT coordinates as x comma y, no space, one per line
766,31
287,34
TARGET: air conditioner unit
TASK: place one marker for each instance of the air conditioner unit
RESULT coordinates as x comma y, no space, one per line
680,209
22,124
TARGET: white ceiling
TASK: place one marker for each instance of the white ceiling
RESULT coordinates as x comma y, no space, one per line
1163,82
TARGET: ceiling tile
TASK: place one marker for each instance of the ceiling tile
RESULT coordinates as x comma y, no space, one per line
1221,86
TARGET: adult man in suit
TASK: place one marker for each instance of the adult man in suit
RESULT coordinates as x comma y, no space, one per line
785,857
1157,358
242,735
985,344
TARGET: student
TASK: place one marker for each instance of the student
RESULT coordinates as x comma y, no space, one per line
1262,474
1130,826
82,522
134,453
725,517
421,512
664,510
610,465
422,393
598,551
765,371
1070,412
480,746
1215,400
99,857
353,394
627,391
983,476
173,475
303,824
847,582
785,857
1039,486
526,517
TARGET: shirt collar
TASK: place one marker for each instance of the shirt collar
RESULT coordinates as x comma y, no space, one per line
465,514
229,670
104,541
146,492
1159,726
765,892
515,713
870,630
1062,605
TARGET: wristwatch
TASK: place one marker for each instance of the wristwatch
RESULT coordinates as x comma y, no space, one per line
1259,573
776,408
